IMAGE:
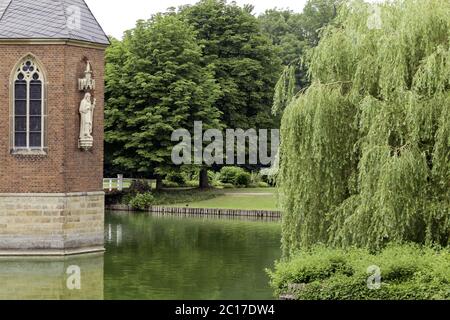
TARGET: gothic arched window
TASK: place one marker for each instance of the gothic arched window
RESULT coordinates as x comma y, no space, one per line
28,109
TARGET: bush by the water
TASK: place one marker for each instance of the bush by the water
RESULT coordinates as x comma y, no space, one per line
235,176
408,272
142,201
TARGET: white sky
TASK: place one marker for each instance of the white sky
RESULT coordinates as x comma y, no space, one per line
116,16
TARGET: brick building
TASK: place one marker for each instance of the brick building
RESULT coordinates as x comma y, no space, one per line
51,127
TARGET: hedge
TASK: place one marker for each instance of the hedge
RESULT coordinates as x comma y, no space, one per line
408,272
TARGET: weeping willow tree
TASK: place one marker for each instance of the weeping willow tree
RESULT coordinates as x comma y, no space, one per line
365,152
284,90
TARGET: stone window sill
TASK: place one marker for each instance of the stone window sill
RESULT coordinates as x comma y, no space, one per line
29,152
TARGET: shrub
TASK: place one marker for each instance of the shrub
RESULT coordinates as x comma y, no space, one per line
192,184
175,177
214,179
227,186
170,184
255,178
243,179
408,272
235,175
142,201
139,186
228,174
261,184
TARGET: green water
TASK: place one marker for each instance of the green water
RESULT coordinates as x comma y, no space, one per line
153,257
188,258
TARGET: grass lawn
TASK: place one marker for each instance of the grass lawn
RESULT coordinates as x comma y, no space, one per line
237,199
250,190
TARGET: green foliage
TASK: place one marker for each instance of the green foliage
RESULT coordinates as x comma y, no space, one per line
155,83
171,184
257,180
294,34
214,178
243,179
365,151
139,186
142,201
285,90
192,184
286,31
228,186
246,64
176,177
235,176
408,272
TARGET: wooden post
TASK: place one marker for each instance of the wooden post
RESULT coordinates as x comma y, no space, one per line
120,182
110,185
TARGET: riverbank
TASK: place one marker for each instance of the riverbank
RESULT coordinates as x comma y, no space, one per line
201,211
252,202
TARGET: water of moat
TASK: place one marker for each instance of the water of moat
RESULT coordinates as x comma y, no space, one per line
156,257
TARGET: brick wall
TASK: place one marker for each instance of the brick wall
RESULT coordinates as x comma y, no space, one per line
65,168
83,170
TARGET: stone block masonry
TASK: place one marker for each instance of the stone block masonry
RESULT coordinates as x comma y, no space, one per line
51,224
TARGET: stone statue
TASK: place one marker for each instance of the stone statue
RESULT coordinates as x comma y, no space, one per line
86,120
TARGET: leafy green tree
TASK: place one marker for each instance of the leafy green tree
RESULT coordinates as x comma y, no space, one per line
285,29
245,61
155,83
316,15
365,155
295,34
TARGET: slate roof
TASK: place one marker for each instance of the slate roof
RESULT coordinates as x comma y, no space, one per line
48,19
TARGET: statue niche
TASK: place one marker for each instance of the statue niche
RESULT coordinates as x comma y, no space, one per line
87,107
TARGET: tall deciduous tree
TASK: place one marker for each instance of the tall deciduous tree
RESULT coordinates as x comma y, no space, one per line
155,83
365,156
245,61
294,34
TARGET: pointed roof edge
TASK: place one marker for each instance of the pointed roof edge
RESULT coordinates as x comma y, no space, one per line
98,23
3,7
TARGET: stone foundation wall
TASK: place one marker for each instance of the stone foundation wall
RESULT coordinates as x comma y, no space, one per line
51,223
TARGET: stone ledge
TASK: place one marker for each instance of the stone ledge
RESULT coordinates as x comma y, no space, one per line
50,252
69,194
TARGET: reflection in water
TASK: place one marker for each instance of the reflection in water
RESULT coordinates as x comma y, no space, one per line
175,257
52,278
155,257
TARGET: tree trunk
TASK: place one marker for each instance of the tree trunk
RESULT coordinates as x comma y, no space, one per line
159,183
204,179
